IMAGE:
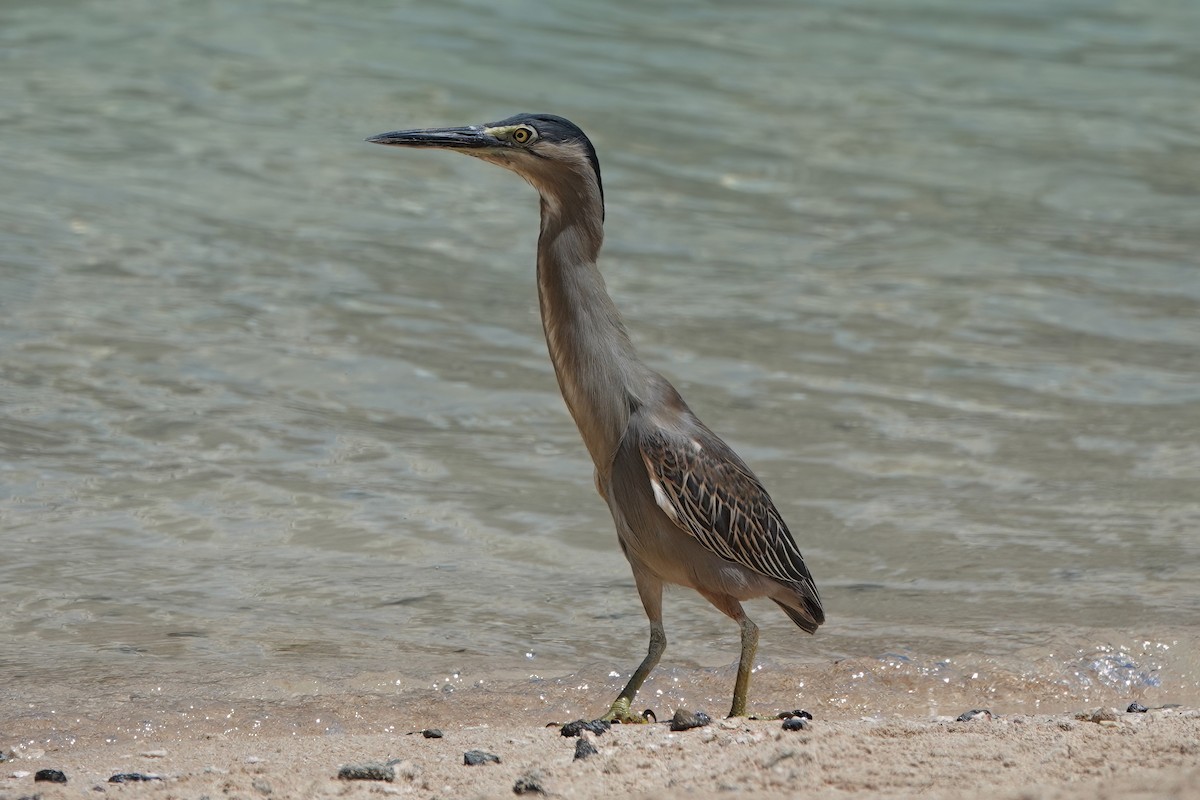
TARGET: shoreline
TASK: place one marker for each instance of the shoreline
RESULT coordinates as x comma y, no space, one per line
295,746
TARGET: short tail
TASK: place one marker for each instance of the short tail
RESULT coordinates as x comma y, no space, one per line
803,605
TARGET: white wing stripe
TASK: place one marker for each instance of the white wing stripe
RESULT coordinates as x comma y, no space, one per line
664,503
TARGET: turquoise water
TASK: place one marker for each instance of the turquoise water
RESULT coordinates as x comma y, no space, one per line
276,402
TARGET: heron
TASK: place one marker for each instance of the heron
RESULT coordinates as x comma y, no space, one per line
687,509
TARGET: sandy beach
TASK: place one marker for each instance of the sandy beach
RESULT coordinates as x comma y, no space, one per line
295,747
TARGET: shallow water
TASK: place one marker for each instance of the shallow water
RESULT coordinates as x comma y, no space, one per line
277,410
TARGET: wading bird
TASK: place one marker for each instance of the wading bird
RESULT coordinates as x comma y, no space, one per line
688,511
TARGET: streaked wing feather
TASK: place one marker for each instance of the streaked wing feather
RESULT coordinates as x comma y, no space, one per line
713,496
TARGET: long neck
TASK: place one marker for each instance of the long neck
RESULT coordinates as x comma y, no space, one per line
598,372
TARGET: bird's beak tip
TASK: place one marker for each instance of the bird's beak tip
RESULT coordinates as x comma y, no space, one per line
381,138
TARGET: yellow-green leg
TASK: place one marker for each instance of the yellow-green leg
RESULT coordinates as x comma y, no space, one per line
730,607
622,707
746,663
650,590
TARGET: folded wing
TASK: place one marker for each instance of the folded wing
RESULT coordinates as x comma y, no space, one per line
701,484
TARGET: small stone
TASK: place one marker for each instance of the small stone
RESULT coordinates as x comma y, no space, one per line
132,777
51,775
367,772
261,786
1136,708
475,758
685,720
432,733
529,783
797,713
596,726
154,754
974,714
796,724
1098,715
584,749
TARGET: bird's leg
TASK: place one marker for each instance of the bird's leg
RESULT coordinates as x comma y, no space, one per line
650,590
733,609
745,664
622,707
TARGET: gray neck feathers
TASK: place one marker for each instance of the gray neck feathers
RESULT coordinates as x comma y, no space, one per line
598,371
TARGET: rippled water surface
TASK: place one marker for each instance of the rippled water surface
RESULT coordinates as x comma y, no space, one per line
275,402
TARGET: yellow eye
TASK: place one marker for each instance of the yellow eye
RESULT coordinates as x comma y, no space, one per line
522,135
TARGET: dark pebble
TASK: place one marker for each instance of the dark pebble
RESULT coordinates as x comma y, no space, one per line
529,783
52,775
1136,708
974,714
796,723
432,733
367,772
584,749
132,777
473,758
596,726
685,720
797,713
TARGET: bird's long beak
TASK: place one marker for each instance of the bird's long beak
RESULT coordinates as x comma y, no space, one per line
470,137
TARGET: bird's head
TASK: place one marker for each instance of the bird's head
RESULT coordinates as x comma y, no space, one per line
550,152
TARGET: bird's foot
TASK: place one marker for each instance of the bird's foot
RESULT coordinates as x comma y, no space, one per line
622,714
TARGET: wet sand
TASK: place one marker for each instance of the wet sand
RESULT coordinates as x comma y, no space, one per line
294,747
